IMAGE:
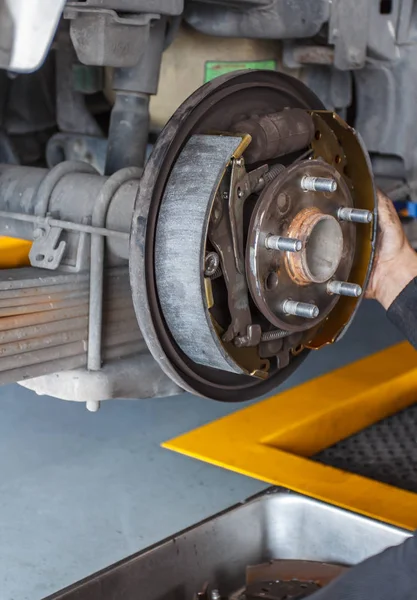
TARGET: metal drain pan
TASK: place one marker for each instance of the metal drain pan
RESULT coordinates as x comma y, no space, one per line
275,524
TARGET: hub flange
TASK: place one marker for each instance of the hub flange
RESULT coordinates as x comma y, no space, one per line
328,246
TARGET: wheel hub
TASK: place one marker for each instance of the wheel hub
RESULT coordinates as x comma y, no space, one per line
322,249
285,210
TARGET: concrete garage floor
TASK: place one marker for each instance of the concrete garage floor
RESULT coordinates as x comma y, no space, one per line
79,491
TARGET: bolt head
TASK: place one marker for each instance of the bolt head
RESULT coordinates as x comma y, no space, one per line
38,233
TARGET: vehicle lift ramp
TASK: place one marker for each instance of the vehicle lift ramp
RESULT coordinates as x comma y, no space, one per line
348,438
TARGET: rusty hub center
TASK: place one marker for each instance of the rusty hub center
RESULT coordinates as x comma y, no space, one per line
287,210
322,239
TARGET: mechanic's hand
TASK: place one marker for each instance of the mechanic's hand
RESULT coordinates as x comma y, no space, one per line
395,261
391,575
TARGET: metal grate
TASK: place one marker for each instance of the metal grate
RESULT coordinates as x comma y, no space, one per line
386,451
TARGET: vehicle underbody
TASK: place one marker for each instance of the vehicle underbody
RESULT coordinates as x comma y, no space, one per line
192,187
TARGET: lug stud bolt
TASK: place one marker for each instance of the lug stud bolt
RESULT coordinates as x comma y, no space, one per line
355,215
343,288
318,184
300,309
276,242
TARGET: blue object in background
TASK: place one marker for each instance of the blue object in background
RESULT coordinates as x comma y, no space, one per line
408,205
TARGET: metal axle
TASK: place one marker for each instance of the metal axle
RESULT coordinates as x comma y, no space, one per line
33,192
318,184
344,288
300,309
355,215
276,242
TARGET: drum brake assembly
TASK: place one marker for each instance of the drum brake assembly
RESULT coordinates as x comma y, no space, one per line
253,235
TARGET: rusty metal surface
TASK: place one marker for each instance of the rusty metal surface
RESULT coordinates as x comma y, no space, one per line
302,228
277,213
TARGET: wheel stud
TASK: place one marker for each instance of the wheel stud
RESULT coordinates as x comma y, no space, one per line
355,215
343,288
318,184
300,309
276,242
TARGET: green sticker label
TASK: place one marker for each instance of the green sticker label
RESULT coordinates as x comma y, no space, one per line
214,68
